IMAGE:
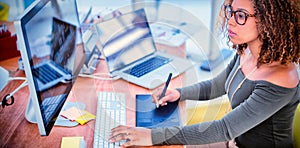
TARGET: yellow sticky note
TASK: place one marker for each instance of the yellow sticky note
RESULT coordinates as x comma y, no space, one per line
72,142
85,118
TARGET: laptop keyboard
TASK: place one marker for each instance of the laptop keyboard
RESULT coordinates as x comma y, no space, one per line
111,112
147,66
50,104
46,74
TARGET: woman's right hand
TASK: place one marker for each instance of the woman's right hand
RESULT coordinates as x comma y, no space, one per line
171,95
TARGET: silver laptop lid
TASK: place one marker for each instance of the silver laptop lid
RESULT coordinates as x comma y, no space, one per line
126,39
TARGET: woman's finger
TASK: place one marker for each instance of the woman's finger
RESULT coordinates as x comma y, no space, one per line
156,95
118,133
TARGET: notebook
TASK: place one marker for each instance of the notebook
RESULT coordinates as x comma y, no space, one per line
127,42
147,115
58,68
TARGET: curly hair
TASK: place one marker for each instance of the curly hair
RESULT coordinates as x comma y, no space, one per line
278,24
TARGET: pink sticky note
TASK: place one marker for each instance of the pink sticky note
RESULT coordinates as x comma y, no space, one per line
72,113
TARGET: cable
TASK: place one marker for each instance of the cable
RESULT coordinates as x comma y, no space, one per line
9,98
97,76
17,78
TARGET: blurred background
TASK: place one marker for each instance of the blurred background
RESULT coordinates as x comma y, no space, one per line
189,21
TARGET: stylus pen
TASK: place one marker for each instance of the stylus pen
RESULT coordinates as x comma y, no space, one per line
164,90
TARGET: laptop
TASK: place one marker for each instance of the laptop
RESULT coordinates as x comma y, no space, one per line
127,42
58,68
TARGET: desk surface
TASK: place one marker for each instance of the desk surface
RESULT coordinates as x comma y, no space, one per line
16,131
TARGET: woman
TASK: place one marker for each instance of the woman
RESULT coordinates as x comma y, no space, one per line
261,82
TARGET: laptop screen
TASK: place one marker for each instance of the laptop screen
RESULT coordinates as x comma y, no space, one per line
126,39
63,44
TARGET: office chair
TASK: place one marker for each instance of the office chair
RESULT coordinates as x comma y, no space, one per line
207,110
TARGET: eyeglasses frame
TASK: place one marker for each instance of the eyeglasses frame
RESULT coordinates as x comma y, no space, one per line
234,12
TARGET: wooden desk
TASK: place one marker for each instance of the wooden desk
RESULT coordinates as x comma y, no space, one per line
16,131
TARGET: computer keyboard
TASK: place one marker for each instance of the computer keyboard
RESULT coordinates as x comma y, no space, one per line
147,66
111,112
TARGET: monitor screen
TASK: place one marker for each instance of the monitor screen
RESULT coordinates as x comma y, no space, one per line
52,53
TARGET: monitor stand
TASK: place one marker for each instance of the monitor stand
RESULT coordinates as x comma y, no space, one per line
29,112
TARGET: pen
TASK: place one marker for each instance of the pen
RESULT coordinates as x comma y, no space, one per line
165,89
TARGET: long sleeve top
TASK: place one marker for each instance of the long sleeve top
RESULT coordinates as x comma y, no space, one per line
262,113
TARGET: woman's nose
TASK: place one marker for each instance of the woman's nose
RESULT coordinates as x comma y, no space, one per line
231,21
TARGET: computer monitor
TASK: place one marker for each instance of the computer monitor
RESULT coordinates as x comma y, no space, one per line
49,40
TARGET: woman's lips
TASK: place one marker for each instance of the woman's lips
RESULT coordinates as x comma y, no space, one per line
231,33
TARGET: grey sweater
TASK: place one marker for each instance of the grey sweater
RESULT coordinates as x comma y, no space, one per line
262,114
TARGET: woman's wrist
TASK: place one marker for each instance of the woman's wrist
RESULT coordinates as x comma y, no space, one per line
179,90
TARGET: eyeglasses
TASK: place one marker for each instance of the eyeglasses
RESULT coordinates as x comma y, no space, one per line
240,16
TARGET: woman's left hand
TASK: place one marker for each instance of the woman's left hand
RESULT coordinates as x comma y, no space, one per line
134,136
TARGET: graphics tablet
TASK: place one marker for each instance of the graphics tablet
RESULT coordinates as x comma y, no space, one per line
147,115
